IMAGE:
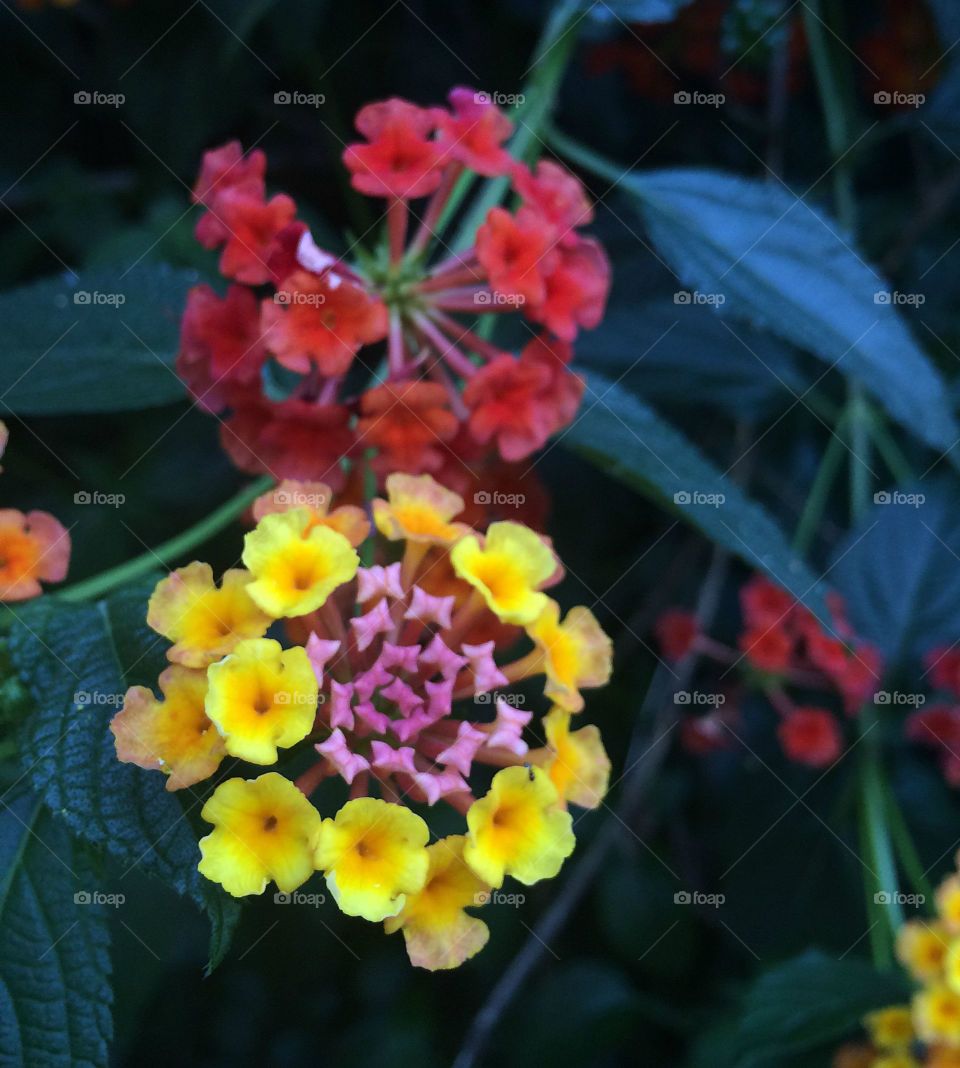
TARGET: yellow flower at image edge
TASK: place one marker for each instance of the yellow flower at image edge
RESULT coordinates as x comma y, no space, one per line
438,932
576,761
260,697
508,570
296,563
374,854
263,829
936,1014
576,653
518,829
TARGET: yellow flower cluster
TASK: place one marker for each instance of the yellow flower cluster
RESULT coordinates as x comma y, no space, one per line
925,1033
386,653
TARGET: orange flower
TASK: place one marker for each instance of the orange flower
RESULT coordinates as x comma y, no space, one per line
408,422
347,519
34,547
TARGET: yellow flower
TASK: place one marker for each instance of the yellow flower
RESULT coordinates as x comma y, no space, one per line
263,829
418,509
261,697
508,569
518,829
948,903
296,563
576,761
936,1014
173,734
203,622
890,1028
374,854
922,949
347,519
438,932
575,652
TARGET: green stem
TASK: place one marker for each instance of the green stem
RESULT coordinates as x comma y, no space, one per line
551,57
819,491
105,581
904,846
890,451
859,417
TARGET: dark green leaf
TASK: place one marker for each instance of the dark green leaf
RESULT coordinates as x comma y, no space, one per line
55,991
70,658
101,342
636,10
898,570
810,1002
619,433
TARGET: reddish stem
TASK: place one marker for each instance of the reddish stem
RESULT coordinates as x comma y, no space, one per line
397,228
446,349
435,207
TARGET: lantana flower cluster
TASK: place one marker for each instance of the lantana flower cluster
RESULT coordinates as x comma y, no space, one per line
312,357
804,668
925,1032
34,548
391,677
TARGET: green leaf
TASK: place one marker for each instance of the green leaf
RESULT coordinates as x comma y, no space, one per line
776,261
103,341
810,1002
629,441
55,991
685,354
70,658
897,570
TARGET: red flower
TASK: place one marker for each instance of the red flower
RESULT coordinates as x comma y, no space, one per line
769,648
828,654
860,677
811,736
517,253
321,320
943,667
294,439
522,402
400,159
246,225
764,603
220,343
676,631
556,194
408,422
475,131
226,168
937,726
576,290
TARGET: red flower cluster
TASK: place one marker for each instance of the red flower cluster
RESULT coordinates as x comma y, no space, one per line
782,644
938,727
302,319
